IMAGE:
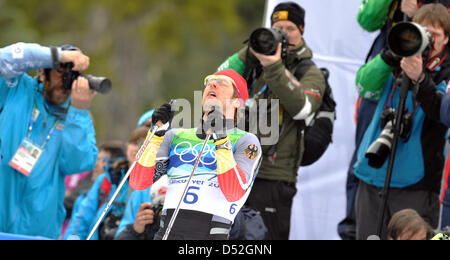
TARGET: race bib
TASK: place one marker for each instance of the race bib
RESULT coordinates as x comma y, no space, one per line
26,157
203,194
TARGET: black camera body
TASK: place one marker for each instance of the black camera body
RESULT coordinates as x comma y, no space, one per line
151,229
265,41
109,226
378,151
389,115
405,39
100,84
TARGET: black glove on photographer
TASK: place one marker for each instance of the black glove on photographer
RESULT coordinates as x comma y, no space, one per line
390,59
164,114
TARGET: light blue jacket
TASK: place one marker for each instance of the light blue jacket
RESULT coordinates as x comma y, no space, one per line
89,211
134,202
409,164
33,205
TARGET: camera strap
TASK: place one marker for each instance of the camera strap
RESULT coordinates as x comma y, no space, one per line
437,60
55,57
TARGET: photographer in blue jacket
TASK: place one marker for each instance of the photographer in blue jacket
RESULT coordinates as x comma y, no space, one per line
46,133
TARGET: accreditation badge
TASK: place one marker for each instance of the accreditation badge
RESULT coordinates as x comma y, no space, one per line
26,157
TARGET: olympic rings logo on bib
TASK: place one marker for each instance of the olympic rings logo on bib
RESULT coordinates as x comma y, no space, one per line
189,153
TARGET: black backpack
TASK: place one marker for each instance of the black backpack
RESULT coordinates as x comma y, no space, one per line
318,131
248,225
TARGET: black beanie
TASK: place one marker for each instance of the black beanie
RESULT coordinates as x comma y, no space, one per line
289,11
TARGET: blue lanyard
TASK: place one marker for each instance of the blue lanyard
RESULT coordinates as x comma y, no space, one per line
260,92
34,116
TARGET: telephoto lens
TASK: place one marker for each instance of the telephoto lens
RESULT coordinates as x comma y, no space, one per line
407,39
100,84
265,40
379,150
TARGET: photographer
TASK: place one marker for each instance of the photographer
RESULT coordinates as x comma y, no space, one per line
373,15
300,95
138,215
142,215
37,113
419,159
